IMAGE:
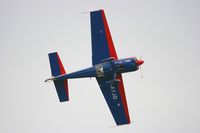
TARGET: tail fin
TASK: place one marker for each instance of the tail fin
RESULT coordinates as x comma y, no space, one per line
58,69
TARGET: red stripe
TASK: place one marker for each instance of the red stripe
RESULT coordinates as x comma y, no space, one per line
123,96
108,37
62,71
66,88
113,54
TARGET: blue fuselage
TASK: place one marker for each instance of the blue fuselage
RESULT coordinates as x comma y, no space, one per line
103,69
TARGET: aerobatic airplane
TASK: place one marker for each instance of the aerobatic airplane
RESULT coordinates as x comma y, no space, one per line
107,69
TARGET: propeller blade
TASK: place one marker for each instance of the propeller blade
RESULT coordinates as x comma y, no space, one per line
141,72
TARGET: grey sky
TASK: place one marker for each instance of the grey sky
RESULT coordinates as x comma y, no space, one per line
165,33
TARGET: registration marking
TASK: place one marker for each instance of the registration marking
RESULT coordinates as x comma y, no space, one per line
113,91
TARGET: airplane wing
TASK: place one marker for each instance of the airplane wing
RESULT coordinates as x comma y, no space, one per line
113,92
102,44
103,48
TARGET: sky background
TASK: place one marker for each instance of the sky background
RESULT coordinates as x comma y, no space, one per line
166,33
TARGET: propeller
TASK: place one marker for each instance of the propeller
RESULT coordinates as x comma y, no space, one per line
140,67
141,72
139,63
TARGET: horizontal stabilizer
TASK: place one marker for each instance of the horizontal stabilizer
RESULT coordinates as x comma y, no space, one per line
58,69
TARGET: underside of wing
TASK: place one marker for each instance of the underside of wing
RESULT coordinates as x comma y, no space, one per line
102,44
113,92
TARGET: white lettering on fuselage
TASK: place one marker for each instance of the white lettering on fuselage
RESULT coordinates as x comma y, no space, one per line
113,91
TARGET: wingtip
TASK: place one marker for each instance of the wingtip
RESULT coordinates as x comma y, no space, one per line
97,10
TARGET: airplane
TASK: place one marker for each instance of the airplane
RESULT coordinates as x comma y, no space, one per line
107,69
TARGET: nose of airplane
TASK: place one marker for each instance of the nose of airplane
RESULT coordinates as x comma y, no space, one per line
139,62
